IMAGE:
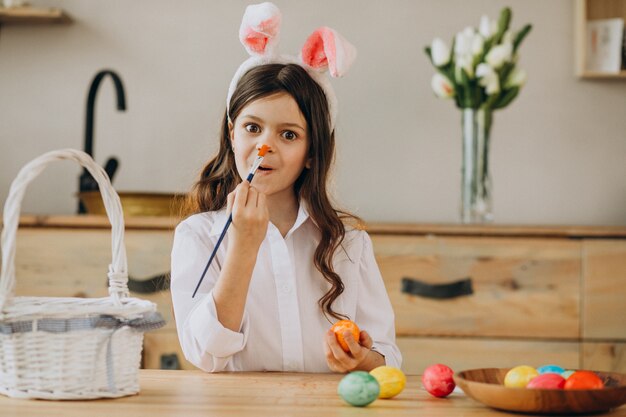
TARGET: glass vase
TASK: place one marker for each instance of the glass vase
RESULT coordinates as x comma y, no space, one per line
476,202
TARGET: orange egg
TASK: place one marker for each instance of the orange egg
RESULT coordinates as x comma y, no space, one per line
583,380
340,327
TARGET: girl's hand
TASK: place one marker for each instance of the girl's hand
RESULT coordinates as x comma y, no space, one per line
360,357
250,216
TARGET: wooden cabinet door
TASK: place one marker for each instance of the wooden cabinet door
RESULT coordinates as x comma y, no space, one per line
57,262
604,290
523,287
604,356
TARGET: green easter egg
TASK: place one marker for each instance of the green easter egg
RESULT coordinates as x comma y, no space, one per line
358,388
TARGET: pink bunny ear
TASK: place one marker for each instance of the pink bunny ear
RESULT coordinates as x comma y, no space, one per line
260,28
327,48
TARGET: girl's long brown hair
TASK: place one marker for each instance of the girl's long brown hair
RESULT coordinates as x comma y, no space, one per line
219,177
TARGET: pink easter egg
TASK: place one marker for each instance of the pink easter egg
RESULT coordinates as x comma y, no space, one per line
438,380
547,381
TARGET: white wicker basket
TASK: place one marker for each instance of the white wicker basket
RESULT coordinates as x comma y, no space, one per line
70,348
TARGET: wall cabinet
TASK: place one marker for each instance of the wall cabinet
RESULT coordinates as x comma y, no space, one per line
540,295
585,11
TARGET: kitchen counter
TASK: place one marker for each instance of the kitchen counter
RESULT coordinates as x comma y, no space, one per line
452,229
195,393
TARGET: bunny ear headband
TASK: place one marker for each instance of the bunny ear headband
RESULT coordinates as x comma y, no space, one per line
325,49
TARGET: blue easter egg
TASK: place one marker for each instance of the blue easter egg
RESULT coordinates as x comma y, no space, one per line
550,369
358,388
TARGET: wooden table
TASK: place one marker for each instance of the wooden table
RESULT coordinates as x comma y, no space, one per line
195,393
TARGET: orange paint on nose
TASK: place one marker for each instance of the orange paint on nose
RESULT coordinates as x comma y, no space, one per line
263,150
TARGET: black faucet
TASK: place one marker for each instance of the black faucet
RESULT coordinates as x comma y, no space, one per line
86,181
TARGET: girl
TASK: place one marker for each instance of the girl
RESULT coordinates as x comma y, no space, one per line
288,264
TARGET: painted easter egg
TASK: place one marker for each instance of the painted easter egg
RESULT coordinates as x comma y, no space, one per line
583,380
567,374
519,376
547,381
550,369
391,381
340,327
358,388
438,380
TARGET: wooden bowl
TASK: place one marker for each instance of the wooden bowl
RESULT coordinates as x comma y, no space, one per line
487,386
136,203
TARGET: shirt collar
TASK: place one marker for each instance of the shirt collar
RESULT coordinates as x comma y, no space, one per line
303,215
221,217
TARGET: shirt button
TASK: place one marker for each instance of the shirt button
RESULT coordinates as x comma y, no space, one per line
286,289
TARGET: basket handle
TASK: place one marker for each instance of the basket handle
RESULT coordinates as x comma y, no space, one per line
118,269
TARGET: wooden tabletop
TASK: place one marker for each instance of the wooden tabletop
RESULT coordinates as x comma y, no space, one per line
195,393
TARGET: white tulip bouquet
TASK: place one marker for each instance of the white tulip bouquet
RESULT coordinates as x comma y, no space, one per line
479,71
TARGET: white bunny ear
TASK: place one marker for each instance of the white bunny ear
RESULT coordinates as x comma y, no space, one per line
326,48
260,28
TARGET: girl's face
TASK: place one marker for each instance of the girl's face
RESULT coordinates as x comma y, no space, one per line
277,122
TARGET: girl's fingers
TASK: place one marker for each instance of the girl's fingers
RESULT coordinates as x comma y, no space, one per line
328,353
333,364
336,366
335,348
366,340
261,202
342,361
241,196
359,351
354,346
347,362
253,195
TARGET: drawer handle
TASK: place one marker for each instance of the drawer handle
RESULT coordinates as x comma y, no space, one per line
450,290
170,361
160,282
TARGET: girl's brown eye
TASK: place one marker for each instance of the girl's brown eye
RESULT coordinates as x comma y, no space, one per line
252,128
289,135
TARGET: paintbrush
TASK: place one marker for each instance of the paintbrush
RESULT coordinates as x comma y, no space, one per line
255,166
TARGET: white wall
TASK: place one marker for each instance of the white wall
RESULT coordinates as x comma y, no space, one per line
558,153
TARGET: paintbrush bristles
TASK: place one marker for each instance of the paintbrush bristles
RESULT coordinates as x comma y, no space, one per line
263,150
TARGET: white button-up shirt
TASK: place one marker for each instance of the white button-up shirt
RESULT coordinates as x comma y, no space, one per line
283,327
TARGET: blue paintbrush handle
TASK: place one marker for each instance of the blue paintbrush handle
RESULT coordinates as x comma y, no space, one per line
219,241
217,245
